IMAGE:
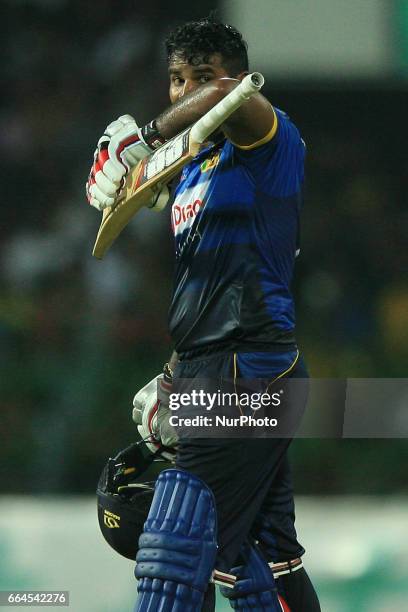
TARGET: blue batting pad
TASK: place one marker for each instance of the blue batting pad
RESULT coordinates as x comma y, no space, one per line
255,588
177,548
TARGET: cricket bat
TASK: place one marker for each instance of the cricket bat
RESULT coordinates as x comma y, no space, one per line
146,179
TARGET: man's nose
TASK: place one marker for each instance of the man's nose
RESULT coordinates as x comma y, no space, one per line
189,86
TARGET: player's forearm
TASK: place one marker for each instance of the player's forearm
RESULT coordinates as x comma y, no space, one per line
192,107
251,122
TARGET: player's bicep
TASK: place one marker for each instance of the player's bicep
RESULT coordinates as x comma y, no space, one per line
253,124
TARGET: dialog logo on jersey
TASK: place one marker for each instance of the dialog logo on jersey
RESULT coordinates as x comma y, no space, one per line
111,520
181,214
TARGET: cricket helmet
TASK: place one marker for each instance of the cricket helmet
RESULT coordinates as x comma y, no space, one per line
124,495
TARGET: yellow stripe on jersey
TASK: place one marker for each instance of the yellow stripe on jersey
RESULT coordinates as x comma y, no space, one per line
263,140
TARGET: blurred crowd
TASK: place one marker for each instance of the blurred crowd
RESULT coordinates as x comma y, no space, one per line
78,337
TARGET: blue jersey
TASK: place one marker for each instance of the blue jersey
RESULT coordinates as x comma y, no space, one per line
235,218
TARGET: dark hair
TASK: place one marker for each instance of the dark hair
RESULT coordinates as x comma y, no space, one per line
196,41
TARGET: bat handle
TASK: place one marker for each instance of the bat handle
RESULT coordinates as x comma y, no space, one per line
221,111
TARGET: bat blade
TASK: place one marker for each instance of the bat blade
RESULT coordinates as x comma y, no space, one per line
115,218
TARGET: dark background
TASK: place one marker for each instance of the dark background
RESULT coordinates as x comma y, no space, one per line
79,337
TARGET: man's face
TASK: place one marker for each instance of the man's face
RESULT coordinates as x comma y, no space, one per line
185,78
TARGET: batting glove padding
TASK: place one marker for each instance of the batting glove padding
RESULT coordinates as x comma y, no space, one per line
151,414
119,149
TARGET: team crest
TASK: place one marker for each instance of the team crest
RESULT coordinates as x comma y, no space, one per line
210,163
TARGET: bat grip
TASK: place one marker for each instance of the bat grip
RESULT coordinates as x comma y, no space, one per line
221,111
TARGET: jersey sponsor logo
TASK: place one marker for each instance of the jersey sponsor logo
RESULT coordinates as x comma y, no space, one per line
181,214
189,203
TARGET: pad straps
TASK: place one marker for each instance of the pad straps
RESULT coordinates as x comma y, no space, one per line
255,587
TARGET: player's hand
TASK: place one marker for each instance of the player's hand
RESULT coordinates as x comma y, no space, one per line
151,414
120,148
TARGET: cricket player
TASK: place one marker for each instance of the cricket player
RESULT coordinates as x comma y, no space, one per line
228,504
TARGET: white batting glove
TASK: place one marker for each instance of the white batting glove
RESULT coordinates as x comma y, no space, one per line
119,149
151,414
